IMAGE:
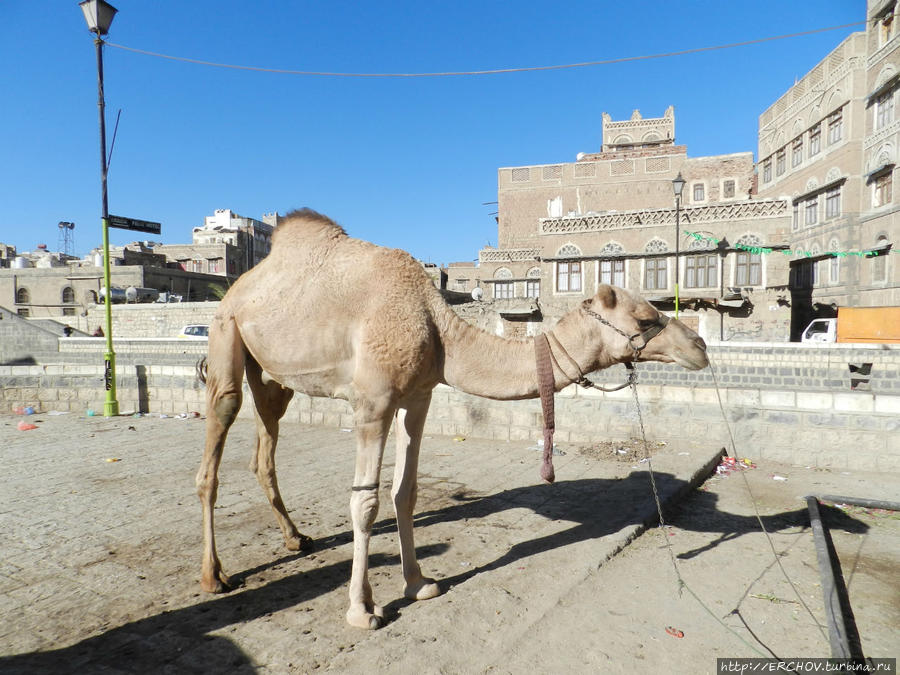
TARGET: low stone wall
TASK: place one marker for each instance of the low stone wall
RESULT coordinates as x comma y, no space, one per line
148,320
835,429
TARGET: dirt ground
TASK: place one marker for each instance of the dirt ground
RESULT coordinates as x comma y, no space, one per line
100,542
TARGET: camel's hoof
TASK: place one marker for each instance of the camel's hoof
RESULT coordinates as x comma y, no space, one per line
216,583
363,619
300,542
424,590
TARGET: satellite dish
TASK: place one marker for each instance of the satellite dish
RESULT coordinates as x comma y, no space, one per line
477,293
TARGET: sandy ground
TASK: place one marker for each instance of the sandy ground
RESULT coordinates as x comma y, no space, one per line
99,559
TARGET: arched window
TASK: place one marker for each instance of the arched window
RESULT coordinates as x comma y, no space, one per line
656,267
533,283
816,272
612,271
23,297
503,289
568,273
68,295
748,265
834,263
503,273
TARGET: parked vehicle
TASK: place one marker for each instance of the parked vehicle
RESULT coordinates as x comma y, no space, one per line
856,324
194,331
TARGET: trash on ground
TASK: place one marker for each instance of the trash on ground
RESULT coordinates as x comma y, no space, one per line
58,412
729,465
459,438
775,476
24,410
674,632
25,426
113,459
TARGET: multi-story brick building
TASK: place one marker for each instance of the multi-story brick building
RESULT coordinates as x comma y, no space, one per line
763,248
610,217
829,146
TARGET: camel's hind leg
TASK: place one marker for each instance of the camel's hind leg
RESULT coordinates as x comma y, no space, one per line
410,423
225,374
271,400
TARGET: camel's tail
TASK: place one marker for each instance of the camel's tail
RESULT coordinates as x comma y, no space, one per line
201,369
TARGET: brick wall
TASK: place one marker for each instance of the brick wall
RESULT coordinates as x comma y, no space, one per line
811,417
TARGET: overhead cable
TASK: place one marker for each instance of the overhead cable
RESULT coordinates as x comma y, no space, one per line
498,71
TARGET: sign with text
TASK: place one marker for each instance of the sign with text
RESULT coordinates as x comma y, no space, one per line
134,224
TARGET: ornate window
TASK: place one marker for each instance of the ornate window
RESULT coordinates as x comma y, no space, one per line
503,289
612,271
701,271
797,151
656,268
748,265
533,283
815,140
835,126
811,211
68,295
568,273
834,263
779,162
503,273
23,297
882,189
884,110
833,202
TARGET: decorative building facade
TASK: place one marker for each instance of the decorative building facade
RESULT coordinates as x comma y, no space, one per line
761,248
611,217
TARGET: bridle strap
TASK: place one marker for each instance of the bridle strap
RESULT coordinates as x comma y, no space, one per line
546,388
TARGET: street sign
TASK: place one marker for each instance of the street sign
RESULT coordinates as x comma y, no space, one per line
134,224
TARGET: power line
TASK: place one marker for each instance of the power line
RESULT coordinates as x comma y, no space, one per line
498,71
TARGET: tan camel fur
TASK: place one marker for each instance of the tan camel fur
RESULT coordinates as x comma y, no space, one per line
329,315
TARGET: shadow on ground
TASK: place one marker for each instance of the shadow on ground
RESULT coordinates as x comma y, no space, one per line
180,639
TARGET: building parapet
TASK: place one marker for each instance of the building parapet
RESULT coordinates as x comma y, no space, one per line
508,255
691,216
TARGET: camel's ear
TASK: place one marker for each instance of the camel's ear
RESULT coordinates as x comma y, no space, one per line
607,296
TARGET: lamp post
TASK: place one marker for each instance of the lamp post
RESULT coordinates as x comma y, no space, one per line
677,186
99,15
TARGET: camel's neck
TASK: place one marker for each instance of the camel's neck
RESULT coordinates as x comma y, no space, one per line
499,368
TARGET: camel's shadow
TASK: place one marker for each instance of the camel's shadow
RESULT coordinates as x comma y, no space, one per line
182,639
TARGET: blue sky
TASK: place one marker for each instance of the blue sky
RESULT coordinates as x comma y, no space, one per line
405,162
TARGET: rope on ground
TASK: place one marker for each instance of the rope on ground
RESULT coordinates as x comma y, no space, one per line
756,510
682,584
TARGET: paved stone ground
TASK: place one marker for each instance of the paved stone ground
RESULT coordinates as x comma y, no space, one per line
99,559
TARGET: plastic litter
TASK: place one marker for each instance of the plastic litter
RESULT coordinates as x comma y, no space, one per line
89,412
113,459
25,426
777,477
729,465
23,410
674,632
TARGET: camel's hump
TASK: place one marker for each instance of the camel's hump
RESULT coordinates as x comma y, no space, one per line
302,224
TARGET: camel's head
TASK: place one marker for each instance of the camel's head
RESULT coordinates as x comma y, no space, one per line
633,330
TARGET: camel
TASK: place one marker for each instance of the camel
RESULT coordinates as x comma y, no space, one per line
330,315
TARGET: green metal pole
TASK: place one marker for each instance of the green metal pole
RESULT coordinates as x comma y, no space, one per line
111,404
677,237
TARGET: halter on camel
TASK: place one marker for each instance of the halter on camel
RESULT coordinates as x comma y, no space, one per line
545,360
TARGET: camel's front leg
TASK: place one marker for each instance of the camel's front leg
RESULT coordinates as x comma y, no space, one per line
371,432
410,423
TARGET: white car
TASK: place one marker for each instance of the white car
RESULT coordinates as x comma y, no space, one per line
194,332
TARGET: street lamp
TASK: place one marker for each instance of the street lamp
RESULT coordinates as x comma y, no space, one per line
678,187
99,15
